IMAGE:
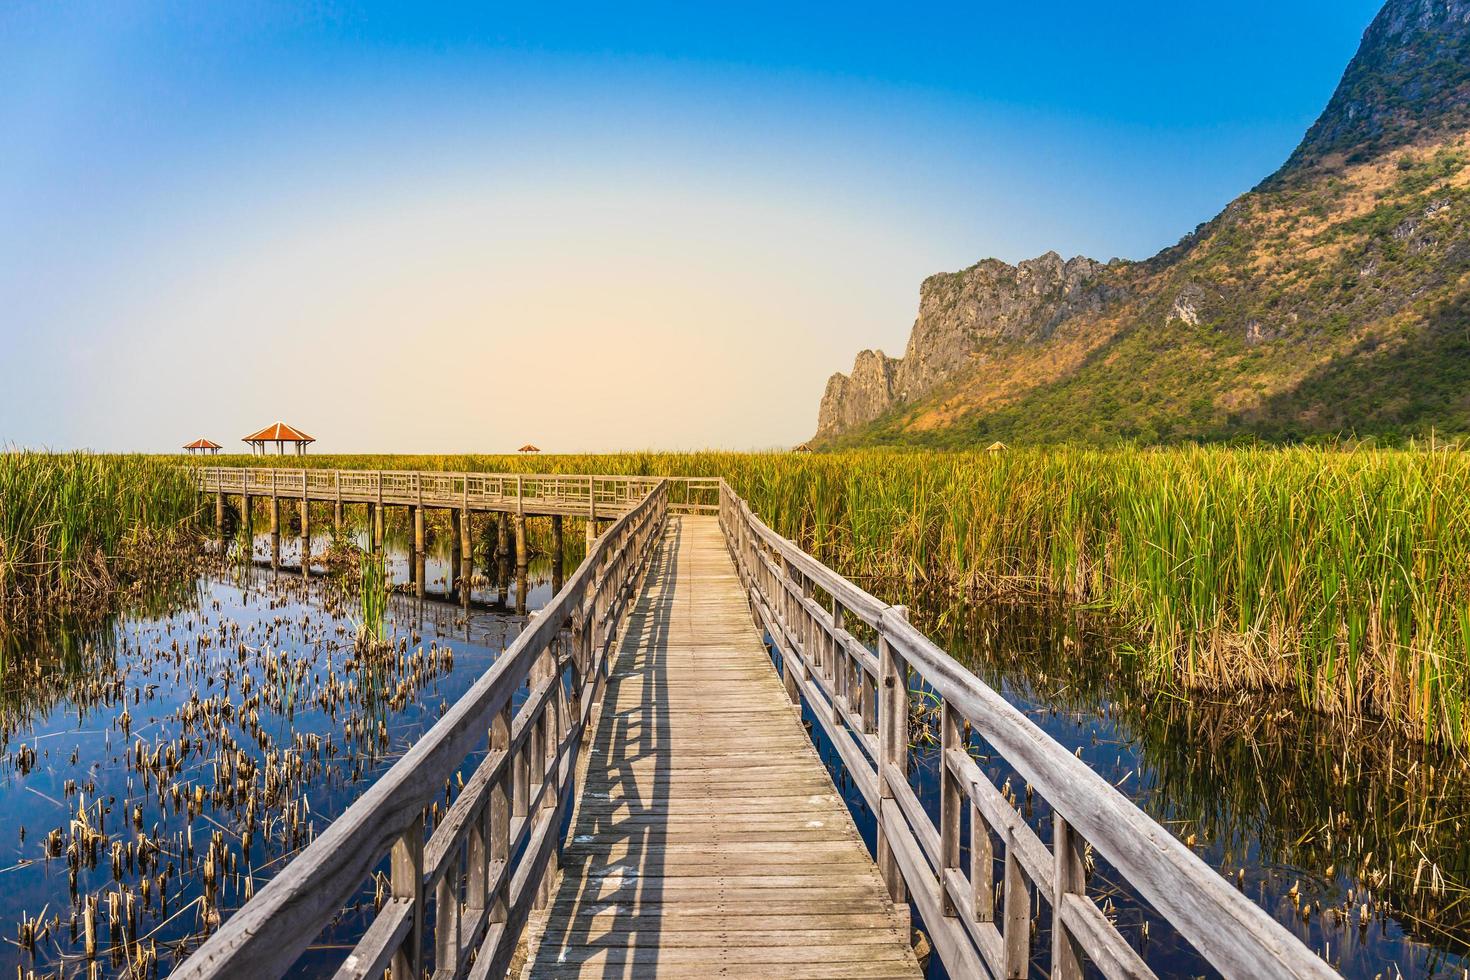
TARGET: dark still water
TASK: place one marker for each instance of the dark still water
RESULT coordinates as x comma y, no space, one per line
157,769
1359,842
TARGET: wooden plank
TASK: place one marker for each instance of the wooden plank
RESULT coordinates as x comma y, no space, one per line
707,837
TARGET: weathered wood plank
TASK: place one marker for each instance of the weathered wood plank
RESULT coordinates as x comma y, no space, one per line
707,837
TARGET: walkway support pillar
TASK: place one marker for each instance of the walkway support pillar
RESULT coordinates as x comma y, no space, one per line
305,536
502,536
591,512
466,555
454,543
219,513
275,531
523,559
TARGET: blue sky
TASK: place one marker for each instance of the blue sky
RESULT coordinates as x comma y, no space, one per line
405,229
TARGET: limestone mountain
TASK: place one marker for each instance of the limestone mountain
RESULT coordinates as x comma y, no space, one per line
1334,298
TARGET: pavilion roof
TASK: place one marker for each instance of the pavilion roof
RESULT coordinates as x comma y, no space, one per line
528,448
279,432
202,444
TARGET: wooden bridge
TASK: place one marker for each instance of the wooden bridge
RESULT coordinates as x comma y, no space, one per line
649,804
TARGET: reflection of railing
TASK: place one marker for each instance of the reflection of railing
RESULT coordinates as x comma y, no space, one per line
532,493
861,700
487,858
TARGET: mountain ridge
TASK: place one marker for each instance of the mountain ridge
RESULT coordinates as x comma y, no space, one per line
1345,267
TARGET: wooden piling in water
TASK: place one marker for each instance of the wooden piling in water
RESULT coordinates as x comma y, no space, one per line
523,559
305,535
219,513
466,555
454,543
591,512
275,526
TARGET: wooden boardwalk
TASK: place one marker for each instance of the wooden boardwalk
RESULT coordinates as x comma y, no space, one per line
708,839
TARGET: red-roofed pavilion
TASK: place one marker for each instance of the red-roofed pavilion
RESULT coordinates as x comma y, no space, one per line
280,433
202,446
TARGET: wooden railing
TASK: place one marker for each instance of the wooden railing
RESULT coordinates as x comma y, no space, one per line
861,699
491,856
596,496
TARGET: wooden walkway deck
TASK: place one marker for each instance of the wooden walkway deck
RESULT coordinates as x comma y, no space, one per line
708,839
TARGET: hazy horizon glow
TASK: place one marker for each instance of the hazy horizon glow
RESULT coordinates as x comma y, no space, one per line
590,229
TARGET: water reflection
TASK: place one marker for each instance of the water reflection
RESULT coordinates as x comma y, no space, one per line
158,766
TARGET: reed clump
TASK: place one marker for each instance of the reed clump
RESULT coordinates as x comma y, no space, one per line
1340,574
76,526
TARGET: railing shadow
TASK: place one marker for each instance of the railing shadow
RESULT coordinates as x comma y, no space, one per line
607,906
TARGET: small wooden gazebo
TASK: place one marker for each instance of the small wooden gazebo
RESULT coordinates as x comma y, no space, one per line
280,433
202,447
528,448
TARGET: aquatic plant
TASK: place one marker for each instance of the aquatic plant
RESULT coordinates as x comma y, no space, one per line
373,590
1340,574
75,526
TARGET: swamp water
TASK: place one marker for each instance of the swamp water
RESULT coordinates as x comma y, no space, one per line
200,741
1358,843
157,769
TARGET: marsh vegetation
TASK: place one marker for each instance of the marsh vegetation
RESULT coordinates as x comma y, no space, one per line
1339,576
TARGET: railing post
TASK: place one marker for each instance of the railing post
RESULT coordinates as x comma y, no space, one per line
950,802
447,917
1016,910
1066,953
477,862
893,750
408,883
551,744
982,866
497,815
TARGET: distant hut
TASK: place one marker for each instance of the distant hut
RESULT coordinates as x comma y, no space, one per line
280,433
528,448
996,447
803,448
202,447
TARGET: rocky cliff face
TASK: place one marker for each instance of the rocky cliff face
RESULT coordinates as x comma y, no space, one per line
963,318
1411,77
854,400
1332,299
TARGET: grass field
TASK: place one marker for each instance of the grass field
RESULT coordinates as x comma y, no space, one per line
1341,575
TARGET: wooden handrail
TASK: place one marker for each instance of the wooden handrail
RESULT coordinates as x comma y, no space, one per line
563,492
861,701
487,858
